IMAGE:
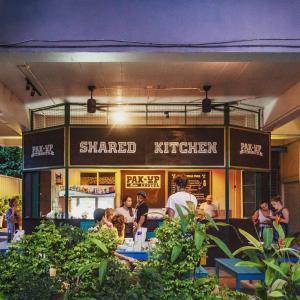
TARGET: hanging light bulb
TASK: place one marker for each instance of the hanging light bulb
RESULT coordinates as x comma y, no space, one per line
119,117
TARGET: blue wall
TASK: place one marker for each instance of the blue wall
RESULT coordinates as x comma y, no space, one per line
159,21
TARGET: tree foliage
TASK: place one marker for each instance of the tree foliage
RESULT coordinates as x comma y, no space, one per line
11,161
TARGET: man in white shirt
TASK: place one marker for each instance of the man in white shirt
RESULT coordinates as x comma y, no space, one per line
208,207
181,197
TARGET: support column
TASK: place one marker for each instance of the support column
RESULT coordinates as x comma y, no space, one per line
67,123
226,125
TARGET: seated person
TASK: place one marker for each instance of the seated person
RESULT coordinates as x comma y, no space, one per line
106,220
99,215
118,222
209,208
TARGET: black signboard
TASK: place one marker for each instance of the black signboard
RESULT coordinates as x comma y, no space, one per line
198,184
147,146
44,149
249,149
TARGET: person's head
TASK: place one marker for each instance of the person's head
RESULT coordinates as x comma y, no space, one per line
209,199
12,202
118,222
181,181
109,213
264,206
141,197
276,202
99,214
127,201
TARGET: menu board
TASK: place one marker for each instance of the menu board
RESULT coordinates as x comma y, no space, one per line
88,178
198,184
107,178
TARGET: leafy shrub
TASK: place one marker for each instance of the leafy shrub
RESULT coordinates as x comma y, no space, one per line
24,271
282,279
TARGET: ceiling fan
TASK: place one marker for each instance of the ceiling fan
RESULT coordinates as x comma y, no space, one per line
208,105
92,106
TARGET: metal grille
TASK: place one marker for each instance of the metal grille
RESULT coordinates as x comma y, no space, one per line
80,116
195,116
245,118
144,114
48,117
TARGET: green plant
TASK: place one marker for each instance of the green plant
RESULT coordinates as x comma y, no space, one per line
11,161
94,271
3,205
24,271
181,244
282,279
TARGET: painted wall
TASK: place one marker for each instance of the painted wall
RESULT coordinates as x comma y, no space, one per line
169,21
290,163
10,186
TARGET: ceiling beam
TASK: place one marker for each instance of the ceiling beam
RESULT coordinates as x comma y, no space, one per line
31,57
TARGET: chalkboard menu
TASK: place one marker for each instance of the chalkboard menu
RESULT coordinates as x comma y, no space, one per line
198,184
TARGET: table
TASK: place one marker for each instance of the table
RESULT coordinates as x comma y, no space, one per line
138,255
240,273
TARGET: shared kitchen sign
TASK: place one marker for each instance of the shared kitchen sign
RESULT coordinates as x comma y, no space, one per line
138,147
147,147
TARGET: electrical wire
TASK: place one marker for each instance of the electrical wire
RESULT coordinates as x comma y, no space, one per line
127,43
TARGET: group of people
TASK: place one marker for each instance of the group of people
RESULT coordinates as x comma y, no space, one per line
125,220
265,216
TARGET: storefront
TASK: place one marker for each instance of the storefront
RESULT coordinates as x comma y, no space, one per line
93,163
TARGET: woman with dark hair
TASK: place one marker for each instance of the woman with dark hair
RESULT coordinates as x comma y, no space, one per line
261,217
281,215
181,197
12,218
127,211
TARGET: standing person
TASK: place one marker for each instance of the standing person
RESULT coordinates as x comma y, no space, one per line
140,221
127,211
281,215
12,218
261,217
209,207
181,197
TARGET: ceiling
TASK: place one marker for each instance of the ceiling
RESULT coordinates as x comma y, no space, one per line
255,82
152,78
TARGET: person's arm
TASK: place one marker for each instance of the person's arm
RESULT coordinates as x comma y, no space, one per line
286,217
170,209
170,212
255,217
126,258
216,213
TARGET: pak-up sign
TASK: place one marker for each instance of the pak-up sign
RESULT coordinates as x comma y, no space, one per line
143,181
